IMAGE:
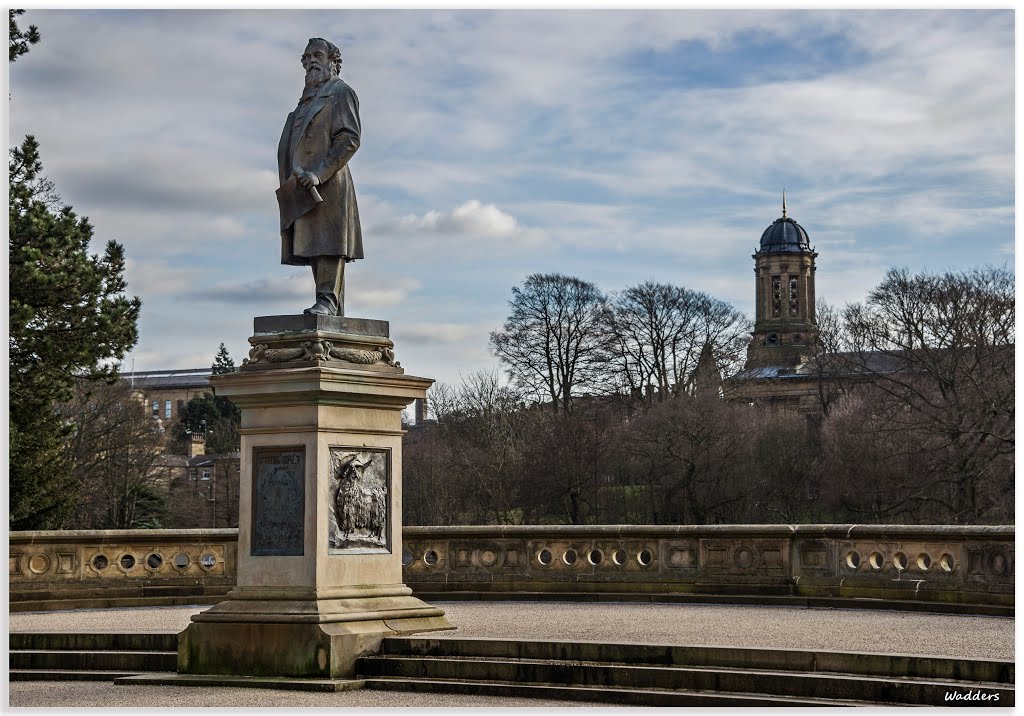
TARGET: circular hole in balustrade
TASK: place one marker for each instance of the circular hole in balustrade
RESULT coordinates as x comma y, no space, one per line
876,560
645,557
208,561
100,562
545,557
595,557
924,562
155,561
947,563
407,557
570,557
620,557
853,560
900,561
181,560
127,561
431,557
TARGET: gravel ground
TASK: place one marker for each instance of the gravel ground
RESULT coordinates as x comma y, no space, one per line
76,694
781,627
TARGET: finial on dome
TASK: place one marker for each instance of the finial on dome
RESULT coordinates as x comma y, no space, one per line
783,202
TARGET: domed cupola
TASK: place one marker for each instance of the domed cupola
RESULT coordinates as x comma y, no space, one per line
784,235
785,326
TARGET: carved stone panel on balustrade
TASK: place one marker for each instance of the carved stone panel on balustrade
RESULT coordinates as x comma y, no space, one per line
487,559
745,557
814,557
991,565
681,557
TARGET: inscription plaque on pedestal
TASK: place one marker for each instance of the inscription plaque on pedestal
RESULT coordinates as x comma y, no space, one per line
360,508
278,501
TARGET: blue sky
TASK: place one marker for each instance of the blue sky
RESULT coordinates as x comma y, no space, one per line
617,146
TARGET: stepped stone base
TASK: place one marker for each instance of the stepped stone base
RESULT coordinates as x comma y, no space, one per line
263,632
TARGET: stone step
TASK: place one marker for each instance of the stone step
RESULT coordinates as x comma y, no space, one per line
246,682
67,675
818,685
132,661
866,664
606,695
93,641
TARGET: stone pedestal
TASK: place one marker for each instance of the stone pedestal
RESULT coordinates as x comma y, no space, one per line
320,531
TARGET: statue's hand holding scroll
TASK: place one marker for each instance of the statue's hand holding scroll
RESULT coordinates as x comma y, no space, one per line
309,180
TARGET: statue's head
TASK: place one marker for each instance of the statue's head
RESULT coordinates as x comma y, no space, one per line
321,60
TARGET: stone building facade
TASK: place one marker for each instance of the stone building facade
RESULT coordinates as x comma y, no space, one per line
781,367
167,392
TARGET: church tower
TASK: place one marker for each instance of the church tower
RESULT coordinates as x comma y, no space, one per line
785,329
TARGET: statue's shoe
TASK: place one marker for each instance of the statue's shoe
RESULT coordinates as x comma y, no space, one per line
319,309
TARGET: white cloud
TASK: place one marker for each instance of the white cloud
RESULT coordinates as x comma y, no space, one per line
471,217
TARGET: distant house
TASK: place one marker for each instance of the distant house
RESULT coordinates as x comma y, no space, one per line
167,392
202,489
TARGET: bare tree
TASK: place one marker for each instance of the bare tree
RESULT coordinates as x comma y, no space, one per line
653,327
724,328
692,456
873,471
552,343
658,332
827,362
569,459
224,490
467,467
784,482
114,447
938,351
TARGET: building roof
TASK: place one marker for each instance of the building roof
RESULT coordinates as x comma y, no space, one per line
208,460
186,378
850,364
784,235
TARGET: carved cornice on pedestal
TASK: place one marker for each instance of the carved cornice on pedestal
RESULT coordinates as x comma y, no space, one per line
327,341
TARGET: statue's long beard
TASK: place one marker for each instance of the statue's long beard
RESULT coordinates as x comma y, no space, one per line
317,78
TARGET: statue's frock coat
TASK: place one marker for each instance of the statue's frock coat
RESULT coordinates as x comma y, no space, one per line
323,144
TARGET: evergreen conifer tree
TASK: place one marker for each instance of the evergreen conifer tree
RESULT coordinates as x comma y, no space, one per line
68,317
223,363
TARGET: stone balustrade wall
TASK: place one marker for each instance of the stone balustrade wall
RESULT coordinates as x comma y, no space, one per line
97,568
955,565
